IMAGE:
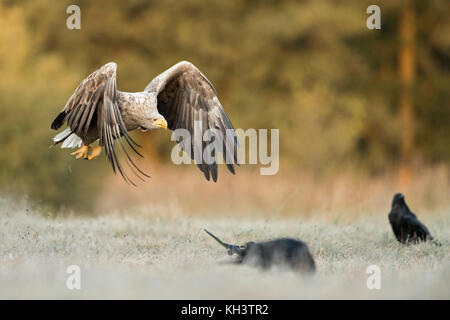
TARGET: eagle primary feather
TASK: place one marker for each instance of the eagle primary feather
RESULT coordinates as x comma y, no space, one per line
174,99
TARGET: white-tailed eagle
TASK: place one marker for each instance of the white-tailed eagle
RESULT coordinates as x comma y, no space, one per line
174,99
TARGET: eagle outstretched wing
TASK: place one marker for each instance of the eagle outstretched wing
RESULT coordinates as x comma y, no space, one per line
93,106
185,95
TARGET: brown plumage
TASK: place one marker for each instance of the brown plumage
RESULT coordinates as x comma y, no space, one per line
174,99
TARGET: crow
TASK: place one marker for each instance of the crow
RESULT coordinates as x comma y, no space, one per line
288,252
405,225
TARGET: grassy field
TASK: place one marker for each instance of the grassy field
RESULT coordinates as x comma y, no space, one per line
153,253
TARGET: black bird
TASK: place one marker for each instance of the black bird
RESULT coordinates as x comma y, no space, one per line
288,252
405,225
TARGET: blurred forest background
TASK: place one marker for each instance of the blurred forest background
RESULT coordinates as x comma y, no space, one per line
352,104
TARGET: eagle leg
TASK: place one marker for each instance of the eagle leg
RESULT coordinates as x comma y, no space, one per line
95,152
82,152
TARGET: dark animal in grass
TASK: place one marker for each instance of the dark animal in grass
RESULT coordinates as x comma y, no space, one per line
405,225
282,252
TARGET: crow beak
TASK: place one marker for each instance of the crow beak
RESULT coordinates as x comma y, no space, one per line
231,248
162,123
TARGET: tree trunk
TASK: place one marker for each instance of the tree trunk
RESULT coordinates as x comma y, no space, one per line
407,69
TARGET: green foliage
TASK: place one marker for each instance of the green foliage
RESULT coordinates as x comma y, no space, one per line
310,68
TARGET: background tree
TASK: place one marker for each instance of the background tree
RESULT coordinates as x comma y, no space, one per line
342,96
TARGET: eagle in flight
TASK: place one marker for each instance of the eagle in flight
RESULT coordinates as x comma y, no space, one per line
174,99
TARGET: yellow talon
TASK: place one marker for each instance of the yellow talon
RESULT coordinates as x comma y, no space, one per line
82,152
95,152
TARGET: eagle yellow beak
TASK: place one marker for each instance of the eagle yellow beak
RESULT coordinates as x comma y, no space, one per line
162,123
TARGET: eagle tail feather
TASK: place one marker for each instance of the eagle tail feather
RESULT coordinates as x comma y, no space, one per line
68,138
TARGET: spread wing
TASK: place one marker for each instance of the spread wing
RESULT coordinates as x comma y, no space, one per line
94,104
186,96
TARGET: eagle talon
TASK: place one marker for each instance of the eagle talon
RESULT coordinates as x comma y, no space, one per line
95,152
82,152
